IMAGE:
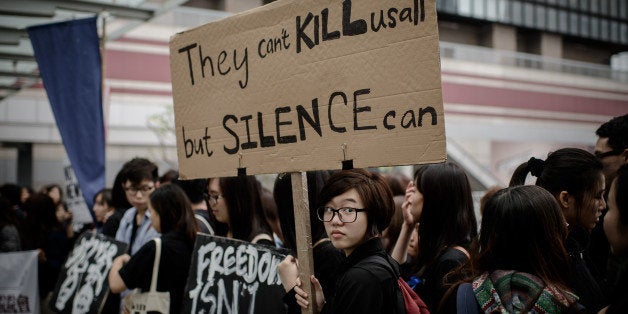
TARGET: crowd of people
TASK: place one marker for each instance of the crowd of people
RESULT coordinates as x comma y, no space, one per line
553,243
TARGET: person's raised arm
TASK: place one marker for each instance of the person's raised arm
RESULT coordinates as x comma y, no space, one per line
410,221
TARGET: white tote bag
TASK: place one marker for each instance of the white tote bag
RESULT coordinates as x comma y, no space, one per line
138,302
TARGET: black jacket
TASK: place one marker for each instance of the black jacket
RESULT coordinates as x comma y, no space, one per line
582,274
364,286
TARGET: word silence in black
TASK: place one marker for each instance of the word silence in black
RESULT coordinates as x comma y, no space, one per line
232,276
272,128
82,285
310,30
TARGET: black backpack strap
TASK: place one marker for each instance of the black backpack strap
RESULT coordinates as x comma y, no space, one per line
386,263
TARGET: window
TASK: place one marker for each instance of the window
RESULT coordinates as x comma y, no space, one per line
573,24
563,25
595,27
479,8
540,12
584,26
604,31
517,13
491,12
529,16
464,7
552,20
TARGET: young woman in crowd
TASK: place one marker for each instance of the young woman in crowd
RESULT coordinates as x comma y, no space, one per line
47,235
236,202
64,216
326,256
575,178
616,229
355,205
440,203
520,267
106,215
172,216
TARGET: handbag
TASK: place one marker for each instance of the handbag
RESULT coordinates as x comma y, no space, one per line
138,302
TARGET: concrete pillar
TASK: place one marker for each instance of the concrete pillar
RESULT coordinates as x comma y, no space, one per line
551,45
504,37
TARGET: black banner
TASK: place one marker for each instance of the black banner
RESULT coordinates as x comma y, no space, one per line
232,276
82,285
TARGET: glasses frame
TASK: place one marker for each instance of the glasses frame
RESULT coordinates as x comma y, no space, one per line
145,190
337,211
608,153
213,199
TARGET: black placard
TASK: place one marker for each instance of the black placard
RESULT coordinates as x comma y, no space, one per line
82,284
232,276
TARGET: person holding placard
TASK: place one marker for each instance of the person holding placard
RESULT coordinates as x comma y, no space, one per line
325,256
236,202
355,205
172,216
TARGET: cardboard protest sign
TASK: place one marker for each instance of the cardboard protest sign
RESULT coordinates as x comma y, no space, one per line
74,197
232,276
82,285
301,85
19,289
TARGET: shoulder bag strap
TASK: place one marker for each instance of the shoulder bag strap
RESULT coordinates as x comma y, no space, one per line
262,236
153,282
463,250
204,222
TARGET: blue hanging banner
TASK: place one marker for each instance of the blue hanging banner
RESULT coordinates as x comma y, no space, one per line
68,56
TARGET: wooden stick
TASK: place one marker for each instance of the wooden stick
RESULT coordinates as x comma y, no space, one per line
303,236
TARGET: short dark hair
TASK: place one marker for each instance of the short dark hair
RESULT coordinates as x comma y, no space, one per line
138,169
568,169
621,194
616,130
195,189
373,190
105,196
523,229
175,211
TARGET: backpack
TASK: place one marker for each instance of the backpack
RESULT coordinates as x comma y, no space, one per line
407,300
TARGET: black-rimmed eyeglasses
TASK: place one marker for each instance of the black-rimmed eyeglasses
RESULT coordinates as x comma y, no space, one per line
346,214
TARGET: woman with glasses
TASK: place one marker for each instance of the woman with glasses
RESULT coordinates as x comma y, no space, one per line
575,178
355,206
236,203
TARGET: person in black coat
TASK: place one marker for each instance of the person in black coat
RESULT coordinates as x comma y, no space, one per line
616,230
355,205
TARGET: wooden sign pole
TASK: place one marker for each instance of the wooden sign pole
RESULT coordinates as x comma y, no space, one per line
303,236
